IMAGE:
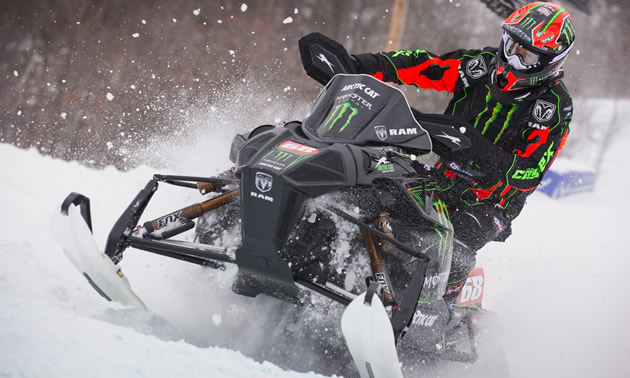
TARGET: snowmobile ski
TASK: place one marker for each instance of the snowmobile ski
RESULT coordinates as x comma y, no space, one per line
370,338
71,229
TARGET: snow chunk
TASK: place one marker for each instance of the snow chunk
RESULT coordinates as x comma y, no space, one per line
232,52
287,20
197,12
110,145
174,20
216,319
64,115
109,96
19,112
144,22
135,35
295,11
312,218
15,73
243,7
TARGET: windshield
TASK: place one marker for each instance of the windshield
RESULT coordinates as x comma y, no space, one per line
360,109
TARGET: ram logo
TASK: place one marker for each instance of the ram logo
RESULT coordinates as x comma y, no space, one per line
476,68
407,131
381,132
263,182
544,111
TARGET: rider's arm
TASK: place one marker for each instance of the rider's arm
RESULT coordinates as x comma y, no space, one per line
421,68
505,172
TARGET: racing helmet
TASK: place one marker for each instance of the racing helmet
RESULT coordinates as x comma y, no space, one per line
536,41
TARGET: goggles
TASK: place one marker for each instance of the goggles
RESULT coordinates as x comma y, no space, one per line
517,55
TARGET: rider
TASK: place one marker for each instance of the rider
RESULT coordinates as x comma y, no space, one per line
519,110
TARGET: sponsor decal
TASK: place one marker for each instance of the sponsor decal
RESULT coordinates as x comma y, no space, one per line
532,173
170,219
543,111
463,77
406,131
415,53
472,292
323,58
362,87
528,23
548,39
298,148
432,281
535,125
384,165
380,277
342,114
544,10
356,98
425,320
261,196
264,182
381,132
567,30
476,68
452,138
454,288
516,30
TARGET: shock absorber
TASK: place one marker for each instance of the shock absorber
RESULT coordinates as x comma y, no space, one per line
382,224
379,270
181,220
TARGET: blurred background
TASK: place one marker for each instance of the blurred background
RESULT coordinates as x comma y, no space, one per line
99,80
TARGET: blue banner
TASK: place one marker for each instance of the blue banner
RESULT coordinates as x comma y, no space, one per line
557,185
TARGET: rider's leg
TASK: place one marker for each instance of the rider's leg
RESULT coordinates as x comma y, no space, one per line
474,227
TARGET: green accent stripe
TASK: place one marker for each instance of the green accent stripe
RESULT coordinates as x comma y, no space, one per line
552,18
557,109
506,123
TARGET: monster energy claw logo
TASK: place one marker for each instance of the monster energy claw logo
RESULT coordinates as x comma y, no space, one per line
282,156
340,113
528,23
568,31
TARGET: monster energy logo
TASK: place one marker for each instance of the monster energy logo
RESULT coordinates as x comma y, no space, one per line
282,156
528,23
568,30
340,113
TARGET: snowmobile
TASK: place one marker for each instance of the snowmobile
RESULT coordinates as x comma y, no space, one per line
359,164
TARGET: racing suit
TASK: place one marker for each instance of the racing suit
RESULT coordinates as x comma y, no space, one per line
515,138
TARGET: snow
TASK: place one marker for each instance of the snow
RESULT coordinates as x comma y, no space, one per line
557,284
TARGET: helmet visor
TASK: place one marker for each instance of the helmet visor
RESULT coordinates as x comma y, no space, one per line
518,56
